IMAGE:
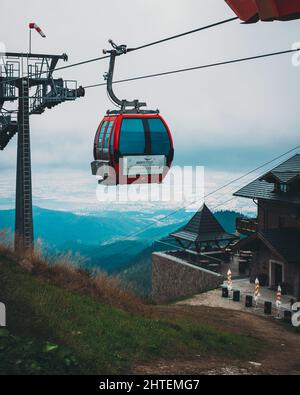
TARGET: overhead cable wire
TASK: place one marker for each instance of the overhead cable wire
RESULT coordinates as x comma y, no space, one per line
152,43
93,60
182,34
162,219
81,63
205,66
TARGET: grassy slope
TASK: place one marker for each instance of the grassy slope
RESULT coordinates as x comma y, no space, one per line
92,337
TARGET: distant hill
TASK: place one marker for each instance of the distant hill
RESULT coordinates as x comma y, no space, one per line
59,227
102,237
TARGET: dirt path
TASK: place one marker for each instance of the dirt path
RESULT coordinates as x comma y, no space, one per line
282,355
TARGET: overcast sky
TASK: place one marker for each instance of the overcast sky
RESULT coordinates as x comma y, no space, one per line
230,117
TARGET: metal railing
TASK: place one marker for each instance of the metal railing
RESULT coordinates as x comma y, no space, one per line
59,92
208,262
247,225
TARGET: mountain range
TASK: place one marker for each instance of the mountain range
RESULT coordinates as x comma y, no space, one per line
112,241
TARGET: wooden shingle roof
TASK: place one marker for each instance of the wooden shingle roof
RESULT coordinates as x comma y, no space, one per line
286,172
203,227
263,187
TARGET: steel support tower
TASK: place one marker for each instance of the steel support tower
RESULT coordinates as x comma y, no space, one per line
27,87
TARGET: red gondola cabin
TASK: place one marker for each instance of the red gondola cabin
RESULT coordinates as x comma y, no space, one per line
251,11
131,145
132,148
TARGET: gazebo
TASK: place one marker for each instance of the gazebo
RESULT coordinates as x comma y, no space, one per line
203,233
199,265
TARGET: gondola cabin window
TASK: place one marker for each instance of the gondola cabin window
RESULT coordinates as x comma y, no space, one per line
160,141
106,139
132,137
102,131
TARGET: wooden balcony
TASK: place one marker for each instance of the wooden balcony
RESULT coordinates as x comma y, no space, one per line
247,226
210,261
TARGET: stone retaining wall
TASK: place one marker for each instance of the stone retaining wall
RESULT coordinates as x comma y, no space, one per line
173,278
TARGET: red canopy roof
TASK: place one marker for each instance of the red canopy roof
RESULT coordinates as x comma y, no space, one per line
251,11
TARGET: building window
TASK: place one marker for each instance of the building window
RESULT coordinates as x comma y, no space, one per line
283,188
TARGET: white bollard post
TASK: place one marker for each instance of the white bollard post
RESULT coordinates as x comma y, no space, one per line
278,301
257,292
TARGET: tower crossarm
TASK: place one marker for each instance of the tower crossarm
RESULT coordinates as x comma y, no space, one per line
8,128
54,92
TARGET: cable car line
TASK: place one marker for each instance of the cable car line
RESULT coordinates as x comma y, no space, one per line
82,63
253,171
183,34
205,66
139,47
162,219
153,43
231,182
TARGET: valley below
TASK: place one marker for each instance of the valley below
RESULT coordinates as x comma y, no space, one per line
117,243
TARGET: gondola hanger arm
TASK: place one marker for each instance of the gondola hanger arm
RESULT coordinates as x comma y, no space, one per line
114,53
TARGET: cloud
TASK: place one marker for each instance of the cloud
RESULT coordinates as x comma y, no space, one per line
213,113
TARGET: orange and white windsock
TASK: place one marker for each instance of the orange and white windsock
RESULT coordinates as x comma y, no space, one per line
37,28
257,289
278,297
229,279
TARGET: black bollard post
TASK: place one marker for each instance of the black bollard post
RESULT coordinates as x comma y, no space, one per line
236,295
225,292
268,308
249,301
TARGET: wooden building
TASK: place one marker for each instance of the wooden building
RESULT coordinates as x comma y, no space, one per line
203,233
198,265
274,236
203,241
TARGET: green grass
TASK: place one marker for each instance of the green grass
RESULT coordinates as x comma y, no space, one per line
90,337
30,356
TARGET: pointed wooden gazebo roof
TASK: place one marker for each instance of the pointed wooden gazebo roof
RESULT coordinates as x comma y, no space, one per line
203,228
